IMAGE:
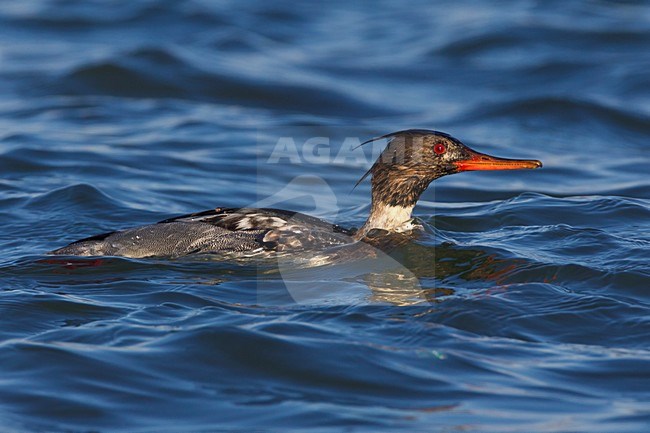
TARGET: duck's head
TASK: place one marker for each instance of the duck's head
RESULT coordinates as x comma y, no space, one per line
414,158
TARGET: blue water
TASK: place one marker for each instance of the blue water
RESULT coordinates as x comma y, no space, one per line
522,308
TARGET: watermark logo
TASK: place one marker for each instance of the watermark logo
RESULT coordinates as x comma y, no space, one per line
350,151
314,275
325,150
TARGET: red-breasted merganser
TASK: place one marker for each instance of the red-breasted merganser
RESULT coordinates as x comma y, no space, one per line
411,161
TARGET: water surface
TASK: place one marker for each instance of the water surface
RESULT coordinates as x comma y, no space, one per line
523,306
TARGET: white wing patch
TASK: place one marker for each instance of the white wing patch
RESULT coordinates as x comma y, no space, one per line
260,221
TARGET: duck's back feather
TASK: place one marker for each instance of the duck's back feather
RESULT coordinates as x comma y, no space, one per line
215,231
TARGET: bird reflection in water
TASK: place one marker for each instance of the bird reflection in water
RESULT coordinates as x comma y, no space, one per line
436,273
399,270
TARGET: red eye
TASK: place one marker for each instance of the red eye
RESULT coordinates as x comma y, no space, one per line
439,148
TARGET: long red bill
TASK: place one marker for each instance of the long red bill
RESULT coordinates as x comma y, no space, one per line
480,161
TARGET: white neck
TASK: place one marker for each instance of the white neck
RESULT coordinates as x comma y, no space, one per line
387,217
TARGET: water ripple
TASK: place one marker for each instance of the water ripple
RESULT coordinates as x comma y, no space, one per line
523,306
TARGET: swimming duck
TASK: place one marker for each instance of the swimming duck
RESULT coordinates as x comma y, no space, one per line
411,160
